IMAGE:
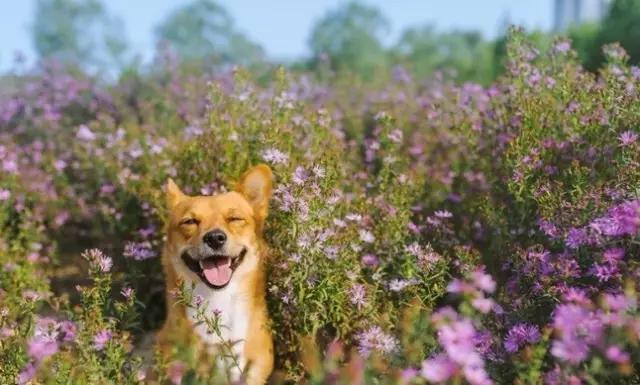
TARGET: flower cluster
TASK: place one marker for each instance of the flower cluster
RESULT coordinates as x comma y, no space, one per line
444,232
458,338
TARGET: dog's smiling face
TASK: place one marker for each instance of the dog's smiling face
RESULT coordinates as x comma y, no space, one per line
216,238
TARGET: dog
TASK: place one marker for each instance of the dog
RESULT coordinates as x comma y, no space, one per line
215,245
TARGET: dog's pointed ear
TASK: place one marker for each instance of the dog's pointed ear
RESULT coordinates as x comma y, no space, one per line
173,193
256,186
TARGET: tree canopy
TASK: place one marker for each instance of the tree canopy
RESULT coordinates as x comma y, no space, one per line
350,37
78,32
203,31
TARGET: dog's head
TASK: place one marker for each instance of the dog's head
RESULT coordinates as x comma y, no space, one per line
217,238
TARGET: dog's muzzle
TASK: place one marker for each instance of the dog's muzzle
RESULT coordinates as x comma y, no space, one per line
216,270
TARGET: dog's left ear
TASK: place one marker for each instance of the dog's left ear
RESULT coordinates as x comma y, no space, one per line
173,194
256,186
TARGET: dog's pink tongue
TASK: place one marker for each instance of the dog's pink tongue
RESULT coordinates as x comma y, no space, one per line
217,271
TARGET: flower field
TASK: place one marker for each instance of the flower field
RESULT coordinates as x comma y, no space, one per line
421,232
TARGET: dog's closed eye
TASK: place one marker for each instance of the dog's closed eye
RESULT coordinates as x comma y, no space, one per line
189,221
235,219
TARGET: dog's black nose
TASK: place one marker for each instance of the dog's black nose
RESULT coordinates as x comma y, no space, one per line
215,239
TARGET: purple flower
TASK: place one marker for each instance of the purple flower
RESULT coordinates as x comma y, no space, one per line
369,260
457,338
275,156
483,305
4,194
395,136
98,260
300,175
483,281
476,375
570,350
577,295
438,369
458,286
175,371
613,255
400,284
101,339
68,330
407,375
617,302
139,251
366,236
605,272
198,300
59,164
26,374
105,263
84,133
548,228
621,220
562,46
534,79
627,138
401,75
375,339
443,214
127,292
519,335
578,329
615,354
319,171
41,347
357,295
10,166
614,52
575,238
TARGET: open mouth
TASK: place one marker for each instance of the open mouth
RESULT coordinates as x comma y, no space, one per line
215,271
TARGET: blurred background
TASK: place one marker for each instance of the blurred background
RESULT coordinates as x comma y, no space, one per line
366,39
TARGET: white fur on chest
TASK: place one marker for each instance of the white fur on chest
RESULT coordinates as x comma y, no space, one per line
234,318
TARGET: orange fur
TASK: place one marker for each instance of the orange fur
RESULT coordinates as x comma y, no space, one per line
249,202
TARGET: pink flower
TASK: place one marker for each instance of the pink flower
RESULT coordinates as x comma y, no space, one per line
483,305
483,281
562,46
369,260
26,374
98,260
615,354
357,295
84,133
101,339
438,369
175,371
42,347
275,156
375,339
366,236
126,292
443,214
4,194
395,136
627,138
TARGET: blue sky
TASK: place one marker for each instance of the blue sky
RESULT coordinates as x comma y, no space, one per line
282,26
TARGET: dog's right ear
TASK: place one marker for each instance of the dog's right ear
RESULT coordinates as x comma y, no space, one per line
174,194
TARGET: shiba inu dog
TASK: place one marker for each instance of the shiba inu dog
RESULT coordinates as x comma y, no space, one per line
214,244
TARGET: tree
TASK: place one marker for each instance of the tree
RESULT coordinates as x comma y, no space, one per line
350,36
622,24
424,51
584,39
203,31
78,32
